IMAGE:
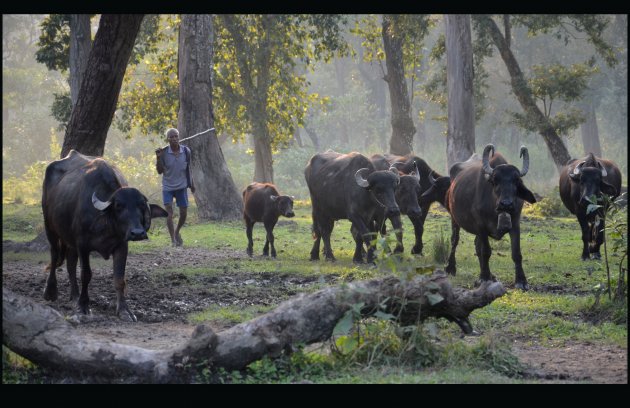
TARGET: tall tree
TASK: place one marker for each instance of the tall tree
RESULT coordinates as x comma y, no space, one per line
260,92
216,195
80,45
98,95
590,131
460,139
403,129
590,25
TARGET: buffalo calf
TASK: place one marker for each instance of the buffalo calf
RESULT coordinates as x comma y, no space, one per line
261,202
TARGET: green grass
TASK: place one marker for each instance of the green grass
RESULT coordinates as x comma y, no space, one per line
554,312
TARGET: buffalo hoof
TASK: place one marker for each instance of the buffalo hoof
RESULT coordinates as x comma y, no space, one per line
314,258
74,296
84,309
522,286
250,252
416,250
451,270
273,255
50,294
123,312
357,261
596,255
179,240
399,249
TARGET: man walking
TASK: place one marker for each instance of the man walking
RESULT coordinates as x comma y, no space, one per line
173,162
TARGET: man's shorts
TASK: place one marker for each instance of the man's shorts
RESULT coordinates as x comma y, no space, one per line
181,197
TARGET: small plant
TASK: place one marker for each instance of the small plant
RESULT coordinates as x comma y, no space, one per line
441,248
549,206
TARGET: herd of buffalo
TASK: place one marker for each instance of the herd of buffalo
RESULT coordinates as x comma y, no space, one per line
484,196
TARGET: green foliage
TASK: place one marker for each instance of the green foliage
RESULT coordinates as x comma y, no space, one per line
488,354
550,206
62,109
54,42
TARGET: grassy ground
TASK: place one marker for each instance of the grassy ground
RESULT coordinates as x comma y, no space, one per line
554,312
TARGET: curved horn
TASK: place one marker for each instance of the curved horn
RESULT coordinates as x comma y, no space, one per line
577,168
484,159
395,171
416,173
601,166
98,204
359,177
432,179
525,156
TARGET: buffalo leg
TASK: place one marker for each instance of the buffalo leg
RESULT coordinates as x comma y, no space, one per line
397,225
56,257
520,281
269,225
597,239
484,251
364,232
451,266
327,228
358,249
418,229
71,263
86,276
120,284
249,226
586,237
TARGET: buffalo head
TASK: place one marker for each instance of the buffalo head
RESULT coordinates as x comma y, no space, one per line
284,205
382,185
129,212
589,176
507,185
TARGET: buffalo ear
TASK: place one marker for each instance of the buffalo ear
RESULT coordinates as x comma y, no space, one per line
273,197
523,193
574,177
608,189
157,211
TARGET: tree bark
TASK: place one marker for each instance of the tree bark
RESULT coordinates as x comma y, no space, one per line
98,95
43,336
403,129
460,138
590,131
556,147
80,45
216,196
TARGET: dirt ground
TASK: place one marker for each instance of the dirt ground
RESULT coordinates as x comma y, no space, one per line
162,300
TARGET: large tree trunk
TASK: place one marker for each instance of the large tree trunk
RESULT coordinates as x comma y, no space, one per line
216,195
590,132
403,129
556,147
460,137
42,335
98,95
80,45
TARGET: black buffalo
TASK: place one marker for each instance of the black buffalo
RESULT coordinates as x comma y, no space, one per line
339,190
262,202
485,198
411,164
583,179
77,222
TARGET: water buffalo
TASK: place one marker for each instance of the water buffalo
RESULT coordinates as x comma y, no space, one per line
485,198
77,222
339,190
411,164
262,202
584,178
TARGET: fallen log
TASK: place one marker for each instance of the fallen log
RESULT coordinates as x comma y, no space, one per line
42,335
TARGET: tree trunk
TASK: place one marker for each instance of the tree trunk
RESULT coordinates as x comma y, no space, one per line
263,173
80,45
590,132
460,137
43,336
556,147
403,129
98,95
216,196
